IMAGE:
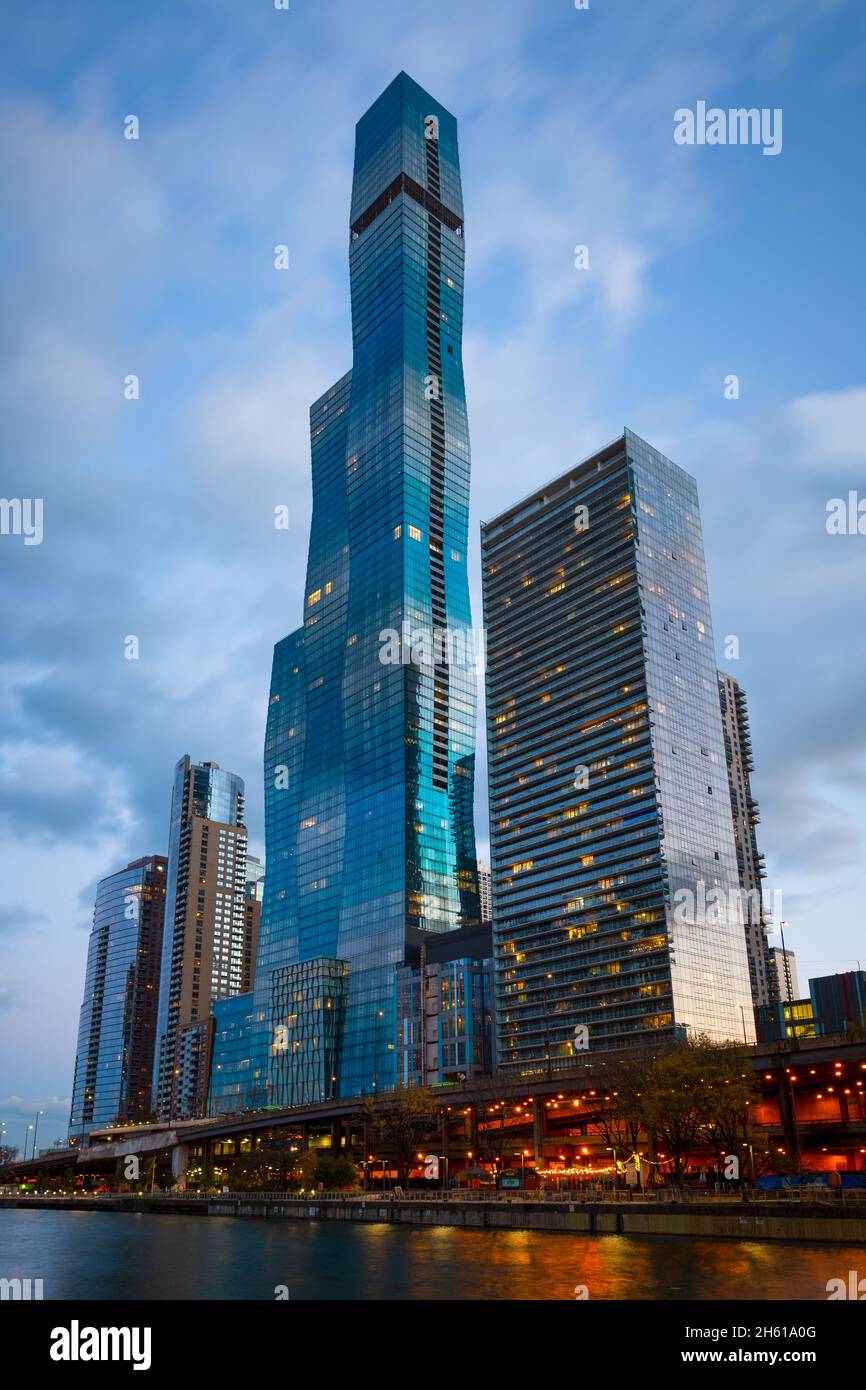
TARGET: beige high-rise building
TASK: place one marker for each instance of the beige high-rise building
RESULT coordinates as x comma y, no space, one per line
210,936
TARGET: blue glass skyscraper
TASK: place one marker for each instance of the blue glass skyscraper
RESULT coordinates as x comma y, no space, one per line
369,753
117,1027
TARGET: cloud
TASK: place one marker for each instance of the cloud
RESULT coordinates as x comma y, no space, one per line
15,919
13,995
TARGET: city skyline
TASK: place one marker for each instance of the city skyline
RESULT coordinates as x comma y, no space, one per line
807,408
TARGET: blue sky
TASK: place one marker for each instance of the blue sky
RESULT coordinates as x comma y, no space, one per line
155,257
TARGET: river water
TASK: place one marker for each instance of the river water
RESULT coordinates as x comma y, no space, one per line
87,1255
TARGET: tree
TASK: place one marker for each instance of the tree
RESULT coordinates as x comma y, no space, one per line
730,1088
8,1156
331,1171
623,1120
495,1102
273,1164
401,1123
698,1091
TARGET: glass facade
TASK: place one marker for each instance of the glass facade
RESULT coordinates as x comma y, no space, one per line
116,1032
608,782
232,1077
369,752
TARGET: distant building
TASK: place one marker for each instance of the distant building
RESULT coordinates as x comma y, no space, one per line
192,1069
117,1028
840,1002
445,1008
745,817
208,950
784,974
836,1005
610,818
484,892
784,1020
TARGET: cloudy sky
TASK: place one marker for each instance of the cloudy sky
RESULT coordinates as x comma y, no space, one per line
155,257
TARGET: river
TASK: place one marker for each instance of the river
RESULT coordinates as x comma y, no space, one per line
90,1255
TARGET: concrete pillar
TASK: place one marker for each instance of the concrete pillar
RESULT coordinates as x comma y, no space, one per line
538,1131
788,1117
179,1165
472,1133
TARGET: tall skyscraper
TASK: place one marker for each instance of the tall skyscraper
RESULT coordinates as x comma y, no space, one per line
114,1057
206,951
369,753
750,862
610,817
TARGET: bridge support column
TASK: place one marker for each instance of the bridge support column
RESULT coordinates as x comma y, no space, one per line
538,1131
179,1165
788,1117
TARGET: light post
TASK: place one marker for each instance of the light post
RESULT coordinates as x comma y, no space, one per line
611,1150
380,1013
36,1130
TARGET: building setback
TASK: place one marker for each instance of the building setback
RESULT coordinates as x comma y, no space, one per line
484,892
114,1056
609,807
370,742
208,951
445,1008
750,862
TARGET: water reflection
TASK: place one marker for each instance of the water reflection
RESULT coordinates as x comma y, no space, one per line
83,1255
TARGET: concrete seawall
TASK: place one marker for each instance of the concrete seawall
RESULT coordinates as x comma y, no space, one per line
794,1221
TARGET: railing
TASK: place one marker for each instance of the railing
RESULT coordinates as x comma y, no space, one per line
828,1196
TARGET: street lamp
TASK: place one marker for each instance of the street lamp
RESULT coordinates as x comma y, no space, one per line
609,1149
380,1013
36,1130
26,1135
